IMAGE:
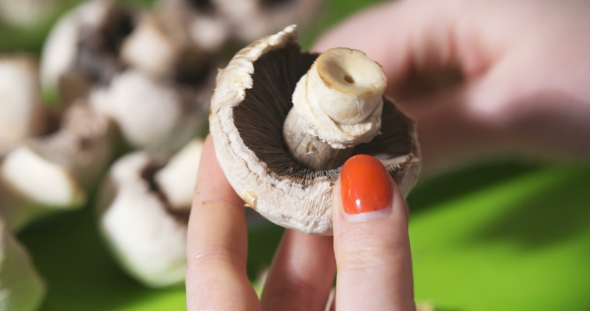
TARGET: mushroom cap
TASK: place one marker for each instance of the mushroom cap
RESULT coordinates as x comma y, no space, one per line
204,24
61,47
251,19
155,115
248,108
51,173
177,179
145,236
83,48
22,112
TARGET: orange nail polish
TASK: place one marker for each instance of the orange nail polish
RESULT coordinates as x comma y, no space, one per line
364,185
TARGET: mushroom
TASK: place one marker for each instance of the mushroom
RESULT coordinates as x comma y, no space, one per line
211,23
23,113
144,209
54,172
154,115
136,68
155,47
21,287
251,102
203,23
83,48
251,19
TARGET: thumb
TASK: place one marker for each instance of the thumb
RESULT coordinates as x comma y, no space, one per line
371,241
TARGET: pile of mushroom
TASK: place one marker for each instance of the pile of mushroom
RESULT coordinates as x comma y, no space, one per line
144,78
284,121
41,170
55,171
136,68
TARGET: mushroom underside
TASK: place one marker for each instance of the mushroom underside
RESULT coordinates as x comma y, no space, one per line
260,116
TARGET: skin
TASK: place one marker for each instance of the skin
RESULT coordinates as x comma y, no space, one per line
525,87
525,90
372,256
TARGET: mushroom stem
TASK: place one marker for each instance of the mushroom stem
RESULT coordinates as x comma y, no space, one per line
337,105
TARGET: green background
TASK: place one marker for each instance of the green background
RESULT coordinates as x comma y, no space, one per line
510,235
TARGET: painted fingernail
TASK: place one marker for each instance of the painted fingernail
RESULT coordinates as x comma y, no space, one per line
364,185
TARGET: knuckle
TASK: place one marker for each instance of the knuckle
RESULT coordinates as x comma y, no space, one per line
365,250
213,254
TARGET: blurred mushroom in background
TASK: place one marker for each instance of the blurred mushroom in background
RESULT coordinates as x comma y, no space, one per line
204,24
143,213
55,172
211,23
23,114
136,67
82,49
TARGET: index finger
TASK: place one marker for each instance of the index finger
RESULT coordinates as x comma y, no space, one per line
217,241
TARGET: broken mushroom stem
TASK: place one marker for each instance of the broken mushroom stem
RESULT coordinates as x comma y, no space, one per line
337,105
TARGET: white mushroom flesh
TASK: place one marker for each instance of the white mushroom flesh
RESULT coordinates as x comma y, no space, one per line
39,180
177,179
150,49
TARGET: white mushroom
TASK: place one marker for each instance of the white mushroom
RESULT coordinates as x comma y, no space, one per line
251,102
152,115
82,48
22,112
252,19
21,288
144,212
135,67
177,179
204,25
210,23
150,49
52,173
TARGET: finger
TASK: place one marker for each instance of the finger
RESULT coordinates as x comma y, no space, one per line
217,243
301,273
371,241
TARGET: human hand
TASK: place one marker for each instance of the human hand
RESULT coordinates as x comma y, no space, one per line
370,249
525,67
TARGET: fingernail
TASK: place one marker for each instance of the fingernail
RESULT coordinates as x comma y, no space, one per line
365,187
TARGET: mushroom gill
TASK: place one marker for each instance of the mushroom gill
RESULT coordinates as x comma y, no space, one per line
260,117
